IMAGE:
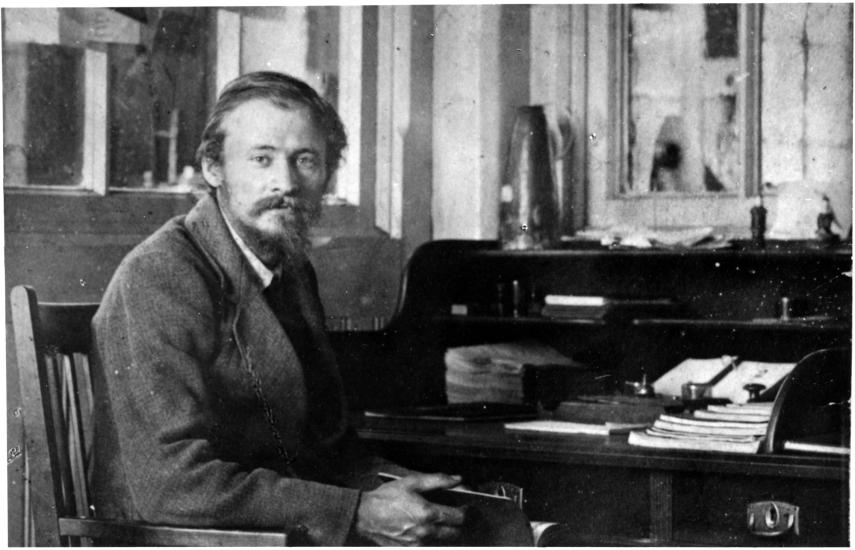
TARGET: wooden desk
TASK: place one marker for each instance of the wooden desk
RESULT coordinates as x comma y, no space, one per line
607,491
612,493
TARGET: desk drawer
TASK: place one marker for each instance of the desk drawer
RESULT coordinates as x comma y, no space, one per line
612,504
712,509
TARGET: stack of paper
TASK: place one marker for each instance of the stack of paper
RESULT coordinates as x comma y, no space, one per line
494,372
733,428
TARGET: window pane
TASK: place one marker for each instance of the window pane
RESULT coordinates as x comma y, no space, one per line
145,73
43,114
158,101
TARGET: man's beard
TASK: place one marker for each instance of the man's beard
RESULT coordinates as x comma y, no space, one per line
281,247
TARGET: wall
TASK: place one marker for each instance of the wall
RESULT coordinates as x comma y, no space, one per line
807,99
482,68
487,61
807,92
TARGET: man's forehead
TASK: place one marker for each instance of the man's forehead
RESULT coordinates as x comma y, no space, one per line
261,115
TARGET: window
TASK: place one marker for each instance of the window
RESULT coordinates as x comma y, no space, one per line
98,98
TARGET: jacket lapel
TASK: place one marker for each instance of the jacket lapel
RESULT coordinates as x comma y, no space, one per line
263,345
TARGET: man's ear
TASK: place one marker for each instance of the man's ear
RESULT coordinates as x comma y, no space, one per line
213,172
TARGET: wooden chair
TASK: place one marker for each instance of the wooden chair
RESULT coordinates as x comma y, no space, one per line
52,342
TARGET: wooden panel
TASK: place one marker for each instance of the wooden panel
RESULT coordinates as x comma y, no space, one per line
721,295
490,441
713,508
45,495
147,535
121,213
609,492
661,506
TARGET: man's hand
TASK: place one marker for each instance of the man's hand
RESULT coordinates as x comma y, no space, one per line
395,514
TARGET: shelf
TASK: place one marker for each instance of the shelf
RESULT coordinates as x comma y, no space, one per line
518,321
756,324
774,249
719,324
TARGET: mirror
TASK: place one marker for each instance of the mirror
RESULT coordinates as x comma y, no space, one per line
688,102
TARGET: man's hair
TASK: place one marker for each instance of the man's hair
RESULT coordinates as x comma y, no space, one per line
284,91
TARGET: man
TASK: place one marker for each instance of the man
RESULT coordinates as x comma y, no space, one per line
223,404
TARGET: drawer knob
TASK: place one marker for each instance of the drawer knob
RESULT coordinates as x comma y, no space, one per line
772,518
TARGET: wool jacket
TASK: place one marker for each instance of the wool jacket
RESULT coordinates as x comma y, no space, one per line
201,413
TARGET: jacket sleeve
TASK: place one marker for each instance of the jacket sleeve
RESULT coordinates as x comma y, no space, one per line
155,339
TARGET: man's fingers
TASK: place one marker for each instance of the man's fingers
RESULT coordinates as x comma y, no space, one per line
428,482
446,533
447,515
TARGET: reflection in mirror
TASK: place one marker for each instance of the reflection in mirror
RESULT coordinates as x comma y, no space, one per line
683,93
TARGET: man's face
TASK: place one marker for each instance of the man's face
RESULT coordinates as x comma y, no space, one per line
271,177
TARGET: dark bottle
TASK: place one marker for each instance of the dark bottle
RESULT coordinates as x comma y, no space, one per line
758,224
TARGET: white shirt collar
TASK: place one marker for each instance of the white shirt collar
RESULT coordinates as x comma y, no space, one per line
264,273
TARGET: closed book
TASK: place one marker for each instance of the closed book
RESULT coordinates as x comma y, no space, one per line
570,300
709,437
711,429
701,424
744,408
561,427
645,439
731,416
595,307
638,411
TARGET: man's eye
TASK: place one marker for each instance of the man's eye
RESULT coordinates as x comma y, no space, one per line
307,162
262,160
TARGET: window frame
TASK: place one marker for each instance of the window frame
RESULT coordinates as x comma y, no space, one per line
349,210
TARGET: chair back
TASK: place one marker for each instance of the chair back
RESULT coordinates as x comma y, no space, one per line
52,344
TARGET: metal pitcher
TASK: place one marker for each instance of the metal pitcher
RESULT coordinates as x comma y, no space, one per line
529,216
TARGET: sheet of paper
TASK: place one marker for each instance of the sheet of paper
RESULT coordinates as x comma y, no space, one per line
732,386
691,370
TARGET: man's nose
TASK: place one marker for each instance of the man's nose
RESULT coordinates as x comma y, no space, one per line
285,179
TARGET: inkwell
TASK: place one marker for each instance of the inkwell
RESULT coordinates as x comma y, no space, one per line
758,222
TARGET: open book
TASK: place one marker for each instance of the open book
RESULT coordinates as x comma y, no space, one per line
728,377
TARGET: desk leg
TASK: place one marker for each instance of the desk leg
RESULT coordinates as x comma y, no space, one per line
661,507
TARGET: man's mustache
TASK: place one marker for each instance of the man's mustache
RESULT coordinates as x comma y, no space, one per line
295,203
